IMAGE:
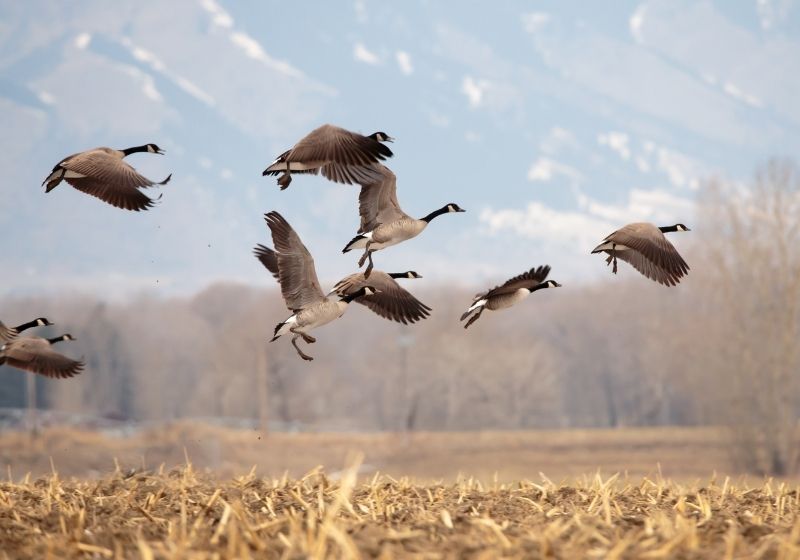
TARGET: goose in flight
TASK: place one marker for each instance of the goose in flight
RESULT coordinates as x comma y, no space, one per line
342,156
300,288
510,293
102,173
383,222
391,302
35,354
645,247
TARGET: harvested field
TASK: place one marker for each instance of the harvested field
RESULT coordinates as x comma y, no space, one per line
182,513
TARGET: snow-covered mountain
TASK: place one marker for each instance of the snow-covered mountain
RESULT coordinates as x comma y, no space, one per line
550,122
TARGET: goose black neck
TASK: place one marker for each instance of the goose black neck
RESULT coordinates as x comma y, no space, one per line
28,325
56,339
539,286
135,149
398,275
668,229
434,214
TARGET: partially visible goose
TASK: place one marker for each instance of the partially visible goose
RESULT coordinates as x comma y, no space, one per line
510,293
391,302
383,222
7,333
300,287
342,156
102,173
37,355
644,246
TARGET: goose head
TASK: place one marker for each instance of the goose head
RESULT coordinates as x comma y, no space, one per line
43,322
381,137
153,149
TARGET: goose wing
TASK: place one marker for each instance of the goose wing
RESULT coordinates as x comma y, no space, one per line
110,179
349,156
6,333
391,301
37,355
377,202
268,258
296,273
651,253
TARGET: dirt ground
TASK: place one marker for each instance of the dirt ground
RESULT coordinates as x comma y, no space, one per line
680,453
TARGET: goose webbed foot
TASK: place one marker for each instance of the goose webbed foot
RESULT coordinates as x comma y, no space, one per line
363,258
308,338
614,268
300,352
473,318
284,180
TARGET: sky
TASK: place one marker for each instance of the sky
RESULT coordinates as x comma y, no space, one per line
551,122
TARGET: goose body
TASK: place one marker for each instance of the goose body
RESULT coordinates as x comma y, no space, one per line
510,293
645,247
300,287
383,222
391,301
8,333
102,173
36,355
339,154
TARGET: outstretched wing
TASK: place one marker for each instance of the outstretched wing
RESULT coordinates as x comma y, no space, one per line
391,301
377,202
268,258
37,355
296,272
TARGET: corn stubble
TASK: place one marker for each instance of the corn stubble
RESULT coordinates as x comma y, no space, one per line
182,513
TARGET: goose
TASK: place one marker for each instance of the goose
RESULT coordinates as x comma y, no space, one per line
644,246
512,292
36,354
7,333
100,172
300,287
342,156
391,302
383,222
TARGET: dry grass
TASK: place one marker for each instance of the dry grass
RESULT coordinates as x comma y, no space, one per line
184,514
681,453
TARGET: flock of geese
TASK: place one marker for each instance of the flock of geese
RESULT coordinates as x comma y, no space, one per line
345,157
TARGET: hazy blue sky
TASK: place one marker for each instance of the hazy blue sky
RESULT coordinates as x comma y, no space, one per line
551,122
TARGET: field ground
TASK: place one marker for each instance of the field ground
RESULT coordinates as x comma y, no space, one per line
90,495
681,453
181,513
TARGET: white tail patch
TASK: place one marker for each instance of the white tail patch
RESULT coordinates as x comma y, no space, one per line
286,326
361,242
476,305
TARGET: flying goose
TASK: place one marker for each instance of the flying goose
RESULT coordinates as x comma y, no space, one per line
37,355
7,333
510,293
391,302
644,246
383,222
342,156
300,287
102,173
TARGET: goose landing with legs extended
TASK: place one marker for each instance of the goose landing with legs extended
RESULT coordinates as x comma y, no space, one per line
512,292
102,173
391,302
340,155
300,288
383,222
645,247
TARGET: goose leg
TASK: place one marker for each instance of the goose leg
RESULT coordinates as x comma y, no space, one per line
369,266
474,318
300,352
614,256
285,179
308,338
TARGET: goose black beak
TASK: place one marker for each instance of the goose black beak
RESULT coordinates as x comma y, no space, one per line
461,210
162,152
389,139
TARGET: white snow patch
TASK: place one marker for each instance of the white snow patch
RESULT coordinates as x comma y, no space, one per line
535,21
636,21
363,54
82,41
617,141
474,90
219,16
404,62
